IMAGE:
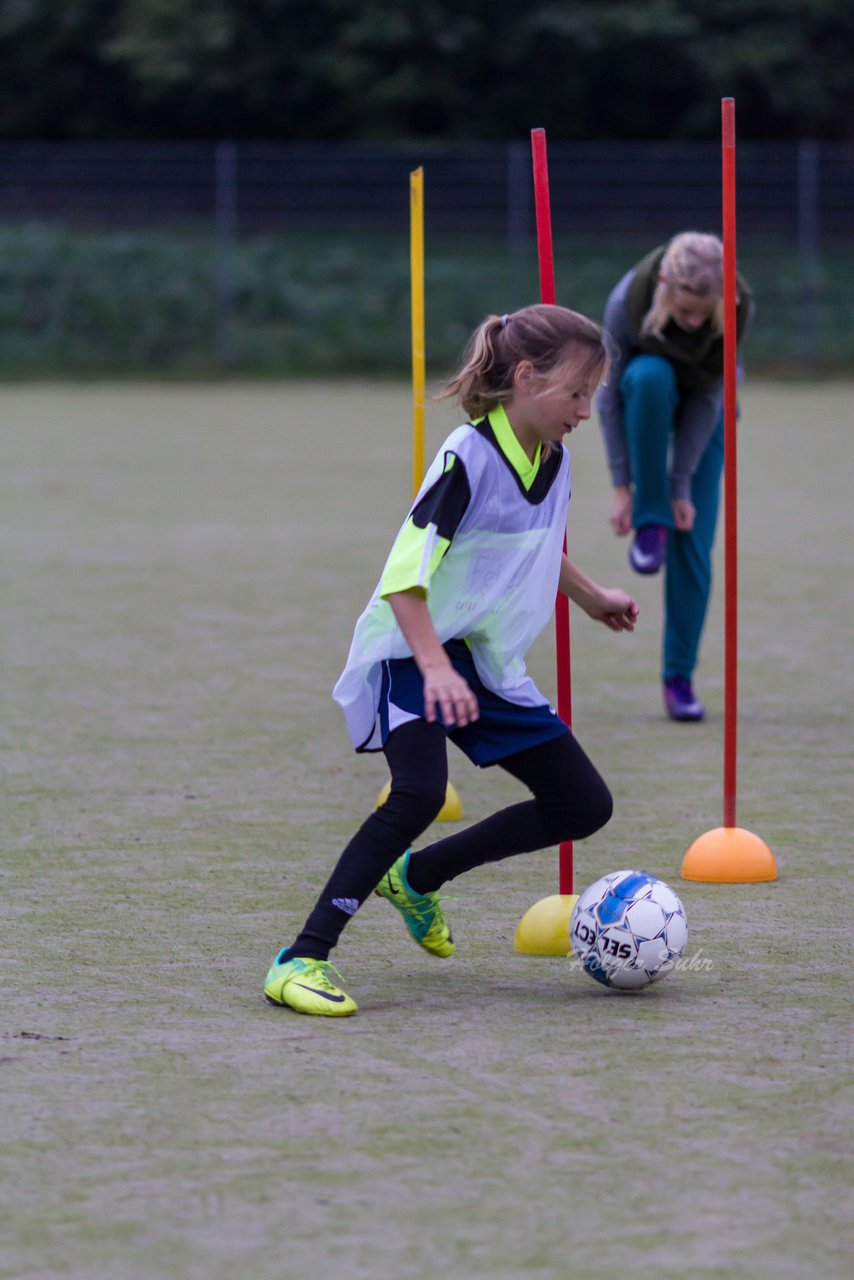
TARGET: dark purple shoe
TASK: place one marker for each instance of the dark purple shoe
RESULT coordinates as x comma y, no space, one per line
681,701
646,553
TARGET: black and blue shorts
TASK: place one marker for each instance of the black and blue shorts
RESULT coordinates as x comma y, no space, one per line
502,729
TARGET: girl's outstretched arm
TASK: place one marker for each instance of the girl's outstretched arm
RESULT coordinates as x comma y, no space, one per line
604,604
445,689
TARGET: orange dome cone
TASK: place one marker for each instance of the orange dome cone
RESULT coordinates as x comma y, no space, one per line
729,855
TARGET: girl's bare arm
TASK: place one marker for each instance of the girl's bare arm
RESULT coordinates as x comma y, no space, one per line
609,605
444,689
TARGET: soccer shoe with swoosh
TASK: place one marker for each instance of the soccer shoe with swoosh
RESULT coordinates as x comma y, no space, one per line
680,701
421,912
305,985
646,554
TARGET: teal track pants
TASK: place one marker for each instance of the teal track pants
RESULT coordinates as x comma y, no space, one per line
650,403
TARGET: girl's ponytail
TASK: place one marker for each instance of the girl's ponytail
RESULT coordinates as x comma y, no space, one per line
547,336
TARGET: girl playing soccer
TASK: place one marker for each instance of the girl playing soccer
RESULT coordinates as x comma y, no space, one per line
439,651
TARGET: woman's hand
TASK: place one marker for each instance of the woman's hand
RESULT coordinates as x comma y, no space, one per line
621,510
684,514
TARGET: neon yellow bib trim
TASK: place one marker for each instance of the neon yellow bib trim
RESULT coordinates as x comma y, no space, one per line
512,449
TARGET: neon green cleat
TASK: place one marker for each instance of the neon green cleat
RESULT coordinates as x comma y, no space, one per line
304,984
421,912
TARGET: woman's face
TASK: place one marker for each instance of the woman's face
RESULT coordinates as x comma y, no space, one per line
689,311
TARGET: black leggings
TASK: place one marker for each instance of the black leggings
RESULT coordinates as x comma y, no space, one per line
570,801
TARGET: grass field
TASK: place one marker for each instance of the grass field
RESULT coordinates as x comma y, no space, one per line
182,570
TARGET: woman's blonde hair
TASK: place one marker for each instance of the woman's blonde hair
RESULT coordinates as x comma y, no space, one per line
692,261
553,339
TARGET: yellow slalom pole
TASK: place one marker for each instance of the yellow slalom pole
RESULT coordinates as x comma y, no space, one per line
452,809
416,268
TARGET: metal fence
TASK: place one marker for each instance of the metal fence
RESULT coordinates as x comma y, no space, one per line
798,196
797,189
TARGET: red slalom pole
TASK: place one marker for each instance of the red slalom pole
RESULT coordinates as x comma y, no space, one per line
730,467
729,854
544,217
547,294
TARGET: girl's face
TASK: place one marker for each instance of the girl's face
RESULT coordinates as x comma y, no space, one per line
689,311
545,408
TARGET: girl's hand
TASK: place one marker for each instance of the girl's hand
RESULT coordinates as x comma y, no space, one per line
603,604
616,609
621,510
684,513
445,690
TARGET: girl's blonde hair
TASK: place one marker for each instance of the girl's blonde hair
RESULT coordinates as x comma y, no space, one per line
553,338
692,261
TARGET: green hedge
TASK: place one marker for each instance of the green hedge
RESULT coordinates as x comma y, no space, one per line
311,304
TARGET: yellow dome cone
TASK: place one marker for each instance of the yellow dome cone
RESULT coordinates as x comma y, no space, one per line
729,855
451,810
544,928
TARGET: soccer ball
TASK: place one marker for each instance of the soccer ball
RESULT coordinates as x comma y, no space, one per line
628,929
